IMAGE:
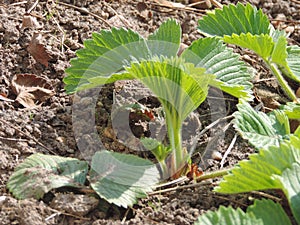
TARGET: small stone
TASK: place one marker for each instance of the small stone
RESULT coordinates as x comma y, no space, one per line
2,199
109,133
10,131
216,155
289,29
61,140
29,128
70,150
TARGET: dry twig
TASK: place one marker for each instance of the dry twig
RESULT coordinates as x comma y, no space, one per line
228,150
32,7
57,212
265,195
13,139
17,3
207,129
178,6
180,187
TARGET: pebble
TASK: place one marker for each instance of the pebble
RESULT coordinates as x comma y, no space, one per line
2,199
109,133
29,128
216,155
10,131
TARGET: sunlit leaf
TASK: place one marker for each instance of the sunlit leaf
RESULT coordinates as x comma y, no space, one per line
260,129
165,40
104,57
232,74
122,179
179,86
39,174
293,61
228,216
290,180
259,172
107,53
235,19
158,149
261,44
279,54
269,211
292,110
277,34
263,212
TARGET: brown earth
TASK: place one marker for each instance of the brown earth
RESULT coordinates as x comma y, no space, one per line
63,26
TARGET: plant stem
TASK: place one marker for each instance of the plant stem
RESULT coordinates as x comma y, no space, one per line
213,174
199,183
178,146
283,83
164,169
175,136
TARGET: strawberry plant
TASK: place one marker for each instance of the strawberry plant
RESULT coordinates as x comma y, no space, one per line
276,165
180,82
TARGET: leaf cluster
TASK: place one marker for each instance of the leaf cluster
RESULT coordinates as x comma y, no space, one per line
247,27
276,165
118,178
180,83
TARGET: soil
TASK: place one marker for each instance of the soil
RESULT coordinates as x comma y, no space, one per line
48,128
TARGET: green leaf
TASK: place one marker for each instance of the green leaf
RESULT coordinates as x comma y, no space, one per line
292,110
261,44
158,149
281,122
276,34
259,172
279,54
235,19
263,212
179,86
39,174
260,129
231,73
122,179
165,40
297,132
269,211
104,57
290,180
228,216
293,62
107,53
